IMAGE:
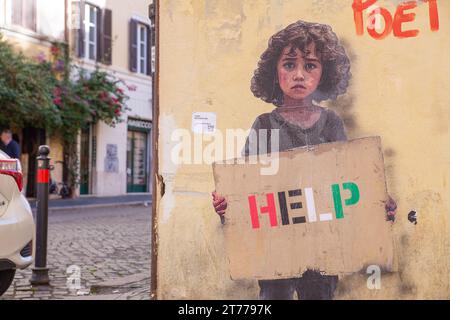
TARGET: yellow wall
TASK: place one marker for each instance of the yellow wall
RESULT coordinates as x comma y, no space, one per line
29,48
208,52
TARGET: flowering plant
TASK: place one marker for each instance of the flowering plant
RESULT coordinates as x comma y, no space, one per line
55,95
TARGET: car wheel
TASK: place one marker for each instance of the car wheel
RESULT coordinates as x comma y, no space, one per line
6,278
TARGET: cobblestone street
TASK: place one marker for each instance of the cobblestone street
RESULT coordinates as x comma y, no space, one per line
100,245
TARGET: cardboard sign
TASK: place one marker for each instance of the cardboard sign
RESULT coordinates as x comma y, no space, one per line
323,210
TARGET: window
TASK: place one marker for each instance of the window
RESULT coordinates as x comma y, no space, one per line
139,47
23,13
93,38
142,44
91,26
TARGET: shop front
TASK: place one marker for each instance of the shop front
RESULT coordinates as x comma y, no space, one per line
138,155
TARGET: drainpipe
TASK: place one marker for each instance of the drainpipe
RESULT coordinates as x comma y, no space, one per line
66,22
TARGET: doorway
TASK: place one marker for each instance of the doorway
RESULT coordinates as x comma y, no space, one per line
85,168
137,155
32,139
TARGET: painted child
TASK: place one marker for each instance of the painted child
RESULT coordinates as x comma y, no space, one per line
303,65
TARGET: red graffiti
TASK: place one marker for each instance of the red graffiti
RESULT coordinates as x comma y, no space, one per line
396,23
387,25
401,17
434,16
358,7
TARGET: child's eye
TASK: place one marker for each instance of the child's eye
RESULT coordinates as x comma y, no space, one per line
289,65
310,66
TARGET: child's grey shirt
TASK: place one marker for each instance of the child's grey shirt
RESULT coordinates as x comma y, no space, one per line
329,128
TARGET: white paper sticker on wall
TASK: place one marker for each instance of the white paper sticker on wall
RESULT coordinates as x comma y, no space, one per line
204,122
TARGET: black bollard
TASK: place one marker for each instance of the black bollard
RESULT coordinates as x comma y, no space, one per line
40,270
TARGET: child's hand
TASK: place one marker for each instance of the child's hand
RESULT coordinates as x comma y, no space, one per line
219,203
391,209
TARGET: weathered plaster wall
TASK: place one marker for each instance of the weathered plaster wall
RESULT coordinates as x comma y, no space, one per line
399,90
115,183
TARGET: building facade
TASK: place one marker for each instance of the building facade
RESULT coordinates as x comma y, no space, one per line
113,36
116,36
31,26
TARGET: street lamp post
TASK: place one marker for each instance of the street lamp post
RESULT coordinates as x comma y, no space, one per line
40,270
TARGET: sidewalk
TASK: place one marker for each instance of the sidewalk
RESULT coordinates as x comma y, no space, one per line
133,287
97,253
96,202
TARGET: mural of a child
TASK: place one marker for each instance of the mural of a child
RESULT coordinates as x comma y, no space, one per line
305,63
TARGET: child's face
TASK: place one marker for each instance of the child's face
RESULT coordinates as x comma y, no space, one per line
299,73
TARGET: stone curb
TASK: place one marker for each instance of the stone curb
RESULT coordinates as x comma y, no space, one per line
99,297
96,206
122,281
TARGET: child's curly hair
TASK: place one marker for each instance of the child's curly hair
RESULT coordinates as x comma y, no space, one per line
335,62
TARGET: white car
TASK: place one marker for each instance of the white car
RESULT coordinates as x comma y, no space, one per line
16,222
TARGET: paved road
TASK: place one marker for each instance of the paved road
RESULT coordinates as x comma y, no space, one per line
101,244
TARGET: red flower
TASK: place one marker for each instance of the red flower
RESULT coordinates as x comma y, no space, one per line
119,90
54,50
103,95
57,101
117,111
